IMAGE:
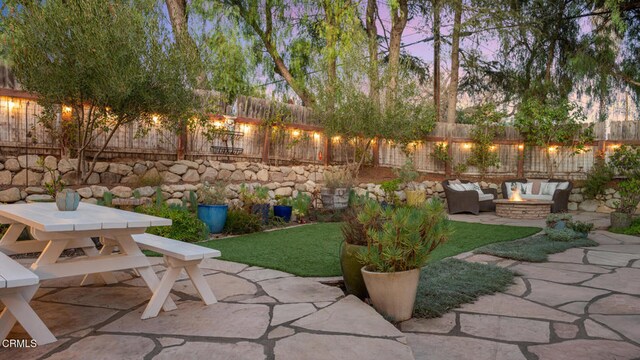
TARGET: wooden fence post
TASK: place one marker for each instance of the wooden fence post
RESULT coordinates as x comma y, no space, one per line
182,142
600,153
521,160
327,151
375,149
447,164
266,144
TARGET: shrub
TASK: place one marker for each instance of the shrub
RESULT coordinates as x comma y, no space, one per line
186,225
565,234
597,179
240,222
338,179
581,227
213,194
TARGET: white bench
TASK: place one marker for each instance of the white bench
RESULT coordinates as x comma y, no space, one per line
178,255
17,287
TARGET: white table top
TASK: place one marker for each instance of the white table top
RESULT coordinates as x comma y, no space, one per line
47,217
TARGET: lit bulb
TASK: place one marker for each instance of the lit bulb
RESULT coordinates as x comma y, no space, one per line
336,138
552,148
492,148
466,146
11,104
155,119
521,147
66,109
295,133
316,136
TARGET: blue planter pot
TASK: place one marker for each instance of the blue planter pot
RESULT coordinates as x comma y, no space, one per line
283,212
214,216
67,200
262,210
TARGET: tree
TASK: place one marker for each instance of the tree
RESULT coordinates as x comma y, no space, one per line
452,92
436,56
107,63
487,125
553,125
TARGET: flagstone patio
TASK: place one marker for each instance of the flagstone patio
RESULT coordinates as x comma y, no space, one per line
582,304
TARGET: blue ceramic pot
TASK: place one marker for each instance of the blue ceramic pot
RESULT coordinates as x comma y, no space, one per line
67,200
262,210
214,216
283,212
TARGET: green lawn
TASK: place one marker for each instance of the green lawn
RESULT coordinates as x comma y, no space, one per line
312,250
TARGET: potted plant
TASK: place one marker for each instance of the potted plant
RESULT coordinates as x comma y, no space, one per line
301,204
67,200
212,209
256,201
283,209
335,193
626,206
399,242
354,242
558,221
581,228
408,175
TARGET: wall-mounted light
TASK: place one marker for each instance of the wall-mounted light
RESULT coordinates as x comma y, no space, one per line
521,147
295,133
316,135
466,146
553,148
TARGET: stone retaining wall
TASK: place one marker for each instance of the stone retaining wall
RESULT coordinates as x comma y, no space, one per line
23,178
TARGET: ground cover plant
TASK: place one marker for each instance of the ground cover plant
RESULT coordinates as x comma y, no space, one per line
446,284
312,250
532,249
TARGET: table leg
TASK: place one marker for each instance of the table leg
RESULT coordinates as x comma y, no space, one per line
107,277
161,293
12,234
51,253
129,246
18,309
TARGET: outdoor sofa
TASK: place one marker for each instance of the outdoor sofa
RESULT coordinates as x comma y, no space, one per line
466,196
556,190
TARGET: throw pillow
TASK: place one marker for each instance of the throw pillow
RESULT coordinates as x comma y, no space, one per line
457,187
548,188
562,185
526,188
536,185
456,181
476,187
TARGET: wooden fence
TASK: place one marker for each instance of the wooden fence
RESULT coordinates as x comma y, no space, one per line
303,142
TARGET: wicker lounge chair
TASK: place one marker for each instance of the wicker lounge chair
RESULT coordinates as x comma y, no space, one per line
469,200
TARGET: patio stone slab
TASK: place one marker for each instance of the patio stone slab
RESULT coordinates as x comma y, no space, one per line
221,265
81,333
624,280
291,290
616,304
264,299
441,325
263,274
322,304
505,328
349,316
627,249
288,312
483,258
518,288
31,353
304,346
555,275
555,294
280,332
565,331
106,347
594,269
627,325
210,350
222,285
193,318
170,341
586,350
439,347
112,297
610,258
570,256
63,319
596,330
576,307
507,305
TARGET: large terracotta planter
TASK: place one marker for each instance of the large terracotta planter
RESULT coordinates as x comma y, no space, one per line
392,294
351,273
415,197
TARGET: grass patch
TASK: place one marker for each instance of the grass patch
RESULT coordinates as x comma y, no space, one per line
312,250
532,249
447,284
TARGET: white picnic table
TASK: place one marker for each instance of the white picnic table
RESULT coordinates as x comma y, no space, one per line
54,231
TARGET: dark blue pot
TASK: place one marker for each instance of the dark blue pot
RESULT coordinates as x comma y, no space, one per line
283,212
262,210
214,216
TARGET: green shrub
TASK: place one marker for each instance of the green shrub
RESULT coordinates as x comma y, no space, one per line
240,222
565,234
597,179
633,229
186,225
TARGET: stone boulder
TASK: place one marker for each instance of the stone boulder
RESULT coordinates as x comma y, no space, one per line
210,175
179,169
589,205
98,191
191,176
65,165
110,178
51,163
27,177
85,192
30,161
170,177
120,169
10,195
122,191
263,175
139,169
5,177
12,165
146,191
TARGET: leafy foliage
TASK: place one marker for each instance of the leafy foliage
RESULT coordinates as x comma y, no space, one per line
402,238
240,222
185,224
213,194
598,177
533,249
629,196
487,125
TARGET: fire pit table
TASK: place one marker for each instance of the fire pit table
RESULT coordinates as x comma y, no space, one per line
523,209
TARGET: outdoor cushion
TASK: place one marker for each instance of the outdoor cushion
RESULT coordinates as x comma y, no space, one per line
535,189
456,181
485,197
457,187
562,185
473,186
536,197
548,188
525,188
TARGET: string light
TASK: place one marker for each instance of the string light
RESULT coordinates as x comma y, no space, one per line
553,148
521,147
316,135
336,138
492,148
614,146
11,105
466,146
155,119
295,133
66,109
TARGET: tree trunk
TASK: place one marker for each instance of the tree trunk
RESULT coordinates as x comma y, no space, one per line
177,10
452,93
372,34
436,58
398,23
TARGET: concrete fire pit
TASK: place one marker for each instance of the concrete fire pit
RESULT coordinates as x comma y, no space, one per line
526,209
